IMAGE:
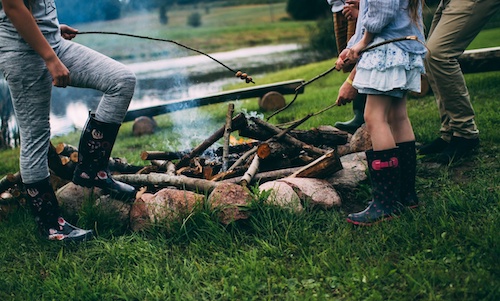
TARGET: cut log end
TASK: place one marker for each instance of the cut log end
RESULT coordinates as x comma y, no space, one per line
272,101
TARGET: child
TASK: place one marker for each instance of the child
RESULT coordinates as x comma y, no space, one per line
345,14
386,74
35,53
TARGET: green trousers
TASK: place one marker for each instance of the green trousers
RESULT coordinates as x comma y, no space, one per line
455,24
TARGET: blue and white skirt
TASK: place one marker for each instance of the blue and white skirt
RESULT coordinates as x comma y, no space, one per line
388,70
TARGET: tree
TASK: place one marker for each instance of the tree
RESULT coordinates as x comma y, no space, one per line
75,11
307,9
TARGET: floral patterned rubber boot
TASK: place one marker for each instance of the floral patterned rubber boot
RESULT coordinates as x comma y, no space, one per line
94,150
44,206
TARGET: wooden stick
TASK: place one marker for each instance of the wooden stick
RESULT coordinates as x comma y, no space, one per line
243,158
266,176
252,170
227,133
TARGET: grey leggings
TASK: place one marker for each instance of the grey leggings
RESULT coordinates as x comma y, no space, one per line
30,84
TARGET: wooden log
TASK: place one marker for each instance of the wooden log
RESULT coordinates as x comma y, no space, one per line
480,60
163,180
162,155
58,164
231,173
324,135
120,165
239,121
323,167
272,101
263,150
227,133
274,150
243,158
65,149
9,181
328,136
238,148
144,126
289,139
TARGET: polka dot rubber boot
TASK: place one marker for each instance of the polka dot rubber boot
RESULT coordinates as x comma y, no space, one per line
384,170
408,167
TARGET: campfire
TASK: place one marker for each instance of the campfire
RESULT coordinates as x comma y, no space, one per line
297,167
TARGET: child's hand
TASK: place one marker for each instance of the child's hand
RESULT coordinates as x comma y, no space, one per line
58,71
68,32
347,93
343,62
351,9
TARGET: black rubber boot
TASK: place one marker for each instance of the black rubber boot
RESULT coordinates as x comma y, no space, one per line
436,146
44,206
94,150
408,167
458,148
384,172
358,108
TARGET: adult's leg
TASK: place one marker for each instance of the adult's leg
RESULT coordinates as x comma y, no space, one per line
455,24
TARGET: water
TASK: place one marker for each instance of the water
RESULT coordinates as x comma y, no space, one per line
178,78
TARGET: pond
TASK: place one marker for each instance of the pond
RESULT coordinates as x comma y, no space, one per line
178,78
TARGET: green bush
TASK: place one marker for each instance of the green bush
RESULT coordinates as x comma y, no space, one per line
322,38
194,19
307,9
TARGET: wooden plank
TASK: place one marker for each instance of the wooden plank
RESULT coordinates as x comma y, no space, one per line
480,60
286,87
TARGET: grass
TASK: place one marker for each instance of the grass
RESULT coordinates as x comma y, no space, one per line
447,249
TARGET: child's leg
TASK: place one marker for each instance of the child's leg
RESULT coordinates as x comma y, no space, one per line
91,69
405,140
376,118
30,85
399,122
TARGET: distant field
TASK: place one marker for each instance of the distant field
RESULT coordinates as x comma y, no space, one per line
223,28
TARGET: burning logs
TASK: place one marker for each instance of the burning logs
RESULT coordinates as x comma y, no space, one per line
237,122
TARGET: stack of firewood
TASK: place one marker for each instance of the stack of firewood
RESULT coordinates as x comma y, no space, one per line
295,164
